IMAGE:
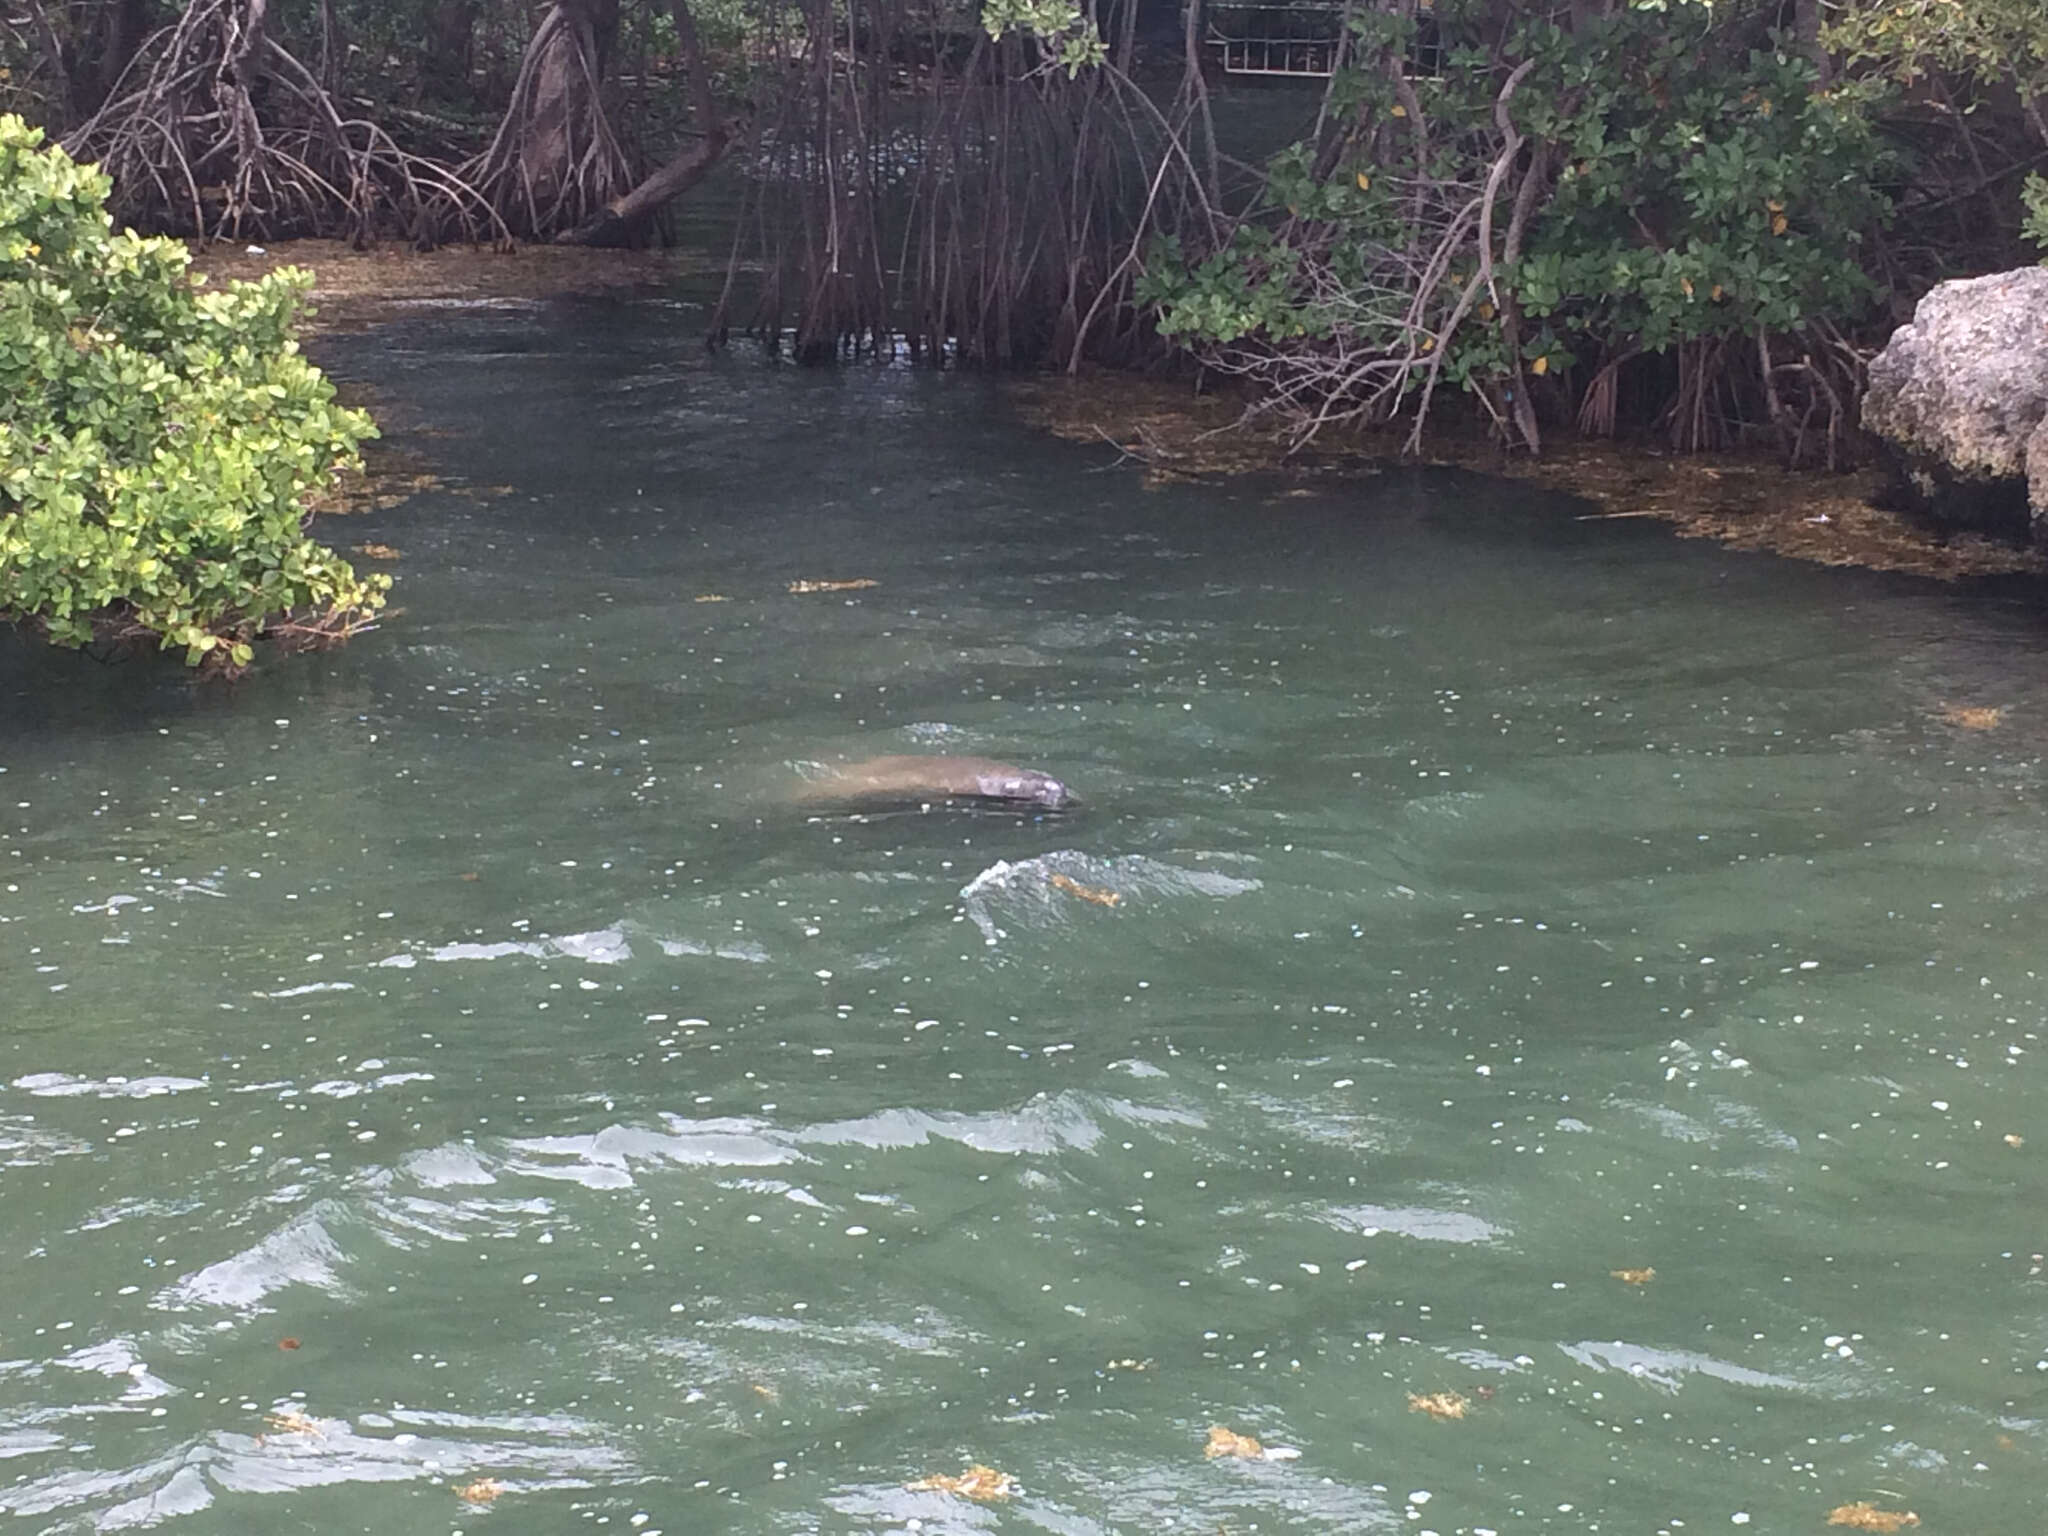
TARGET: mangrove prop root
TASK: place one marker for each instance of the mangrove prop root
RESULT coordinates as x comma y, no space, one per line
217,130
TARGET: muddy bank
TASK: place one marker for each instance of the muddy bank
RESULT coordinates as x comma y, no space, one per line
1747,502
353,288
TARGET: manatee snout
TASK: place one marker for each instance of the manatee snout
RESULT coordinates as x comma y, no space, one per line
1027,786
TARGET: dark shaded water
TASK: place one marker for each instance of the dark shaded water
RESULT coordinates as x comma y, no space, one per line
1505,901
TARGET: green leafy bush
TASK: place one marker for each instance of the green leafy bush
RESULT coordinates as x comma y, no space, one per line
157,441
2034,196
1664,191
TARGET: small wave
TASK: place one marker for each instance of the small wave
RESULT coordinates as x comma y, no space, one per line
62,1085
1668,1368
1028,892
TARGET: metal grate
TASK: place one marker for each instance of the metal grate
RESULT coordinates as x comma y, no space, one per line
1301,38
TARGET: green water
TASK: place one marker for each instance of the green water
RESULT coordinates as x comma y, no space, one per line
1505,900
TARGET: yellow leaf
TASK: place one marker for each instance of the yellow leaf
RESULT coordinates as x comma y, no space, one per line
1399,110
1686,284
1864,1516
1777,223
482,1491
290,1421
1764,106
377,551
1716,294
1634,1276
1775,206
1540,366
1429,343
1973,717
1364,182
1486,311
1439,1405
1227,1442
1092,893
984,1484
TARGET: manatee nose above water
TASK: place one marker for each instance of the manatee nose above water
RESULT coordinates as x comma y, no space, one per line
887,780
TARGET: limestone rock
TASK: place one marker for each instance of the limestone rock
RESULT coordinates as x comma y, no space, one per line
1960,396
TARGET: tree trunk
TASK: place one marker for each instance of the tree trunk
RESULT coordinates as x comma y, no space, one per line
450,41
625,219
554,163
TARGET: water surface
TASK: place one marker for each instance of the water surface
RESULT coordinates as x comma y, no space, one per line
454,1059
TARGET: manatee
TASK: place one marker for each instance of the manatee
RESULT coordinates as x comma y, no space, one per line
902,780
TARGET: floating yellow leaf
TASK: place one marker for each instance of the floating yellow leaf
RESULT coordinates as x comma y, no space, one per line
712,597
1093,893
1227,1442
1862,1516
761,1389
801,587
1973,717
984,1484
290,1421
1438,1405
1634,1276
482,1491
377,551
2013,1140
1540,366
1364,182
287,1343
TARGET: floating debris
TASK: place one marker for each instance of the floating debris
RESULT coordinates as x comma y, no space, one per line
2014,1139
798,588
1862,1516
377,551
1634,1276
1439,1405
1228,1442
1128,1365
290,1421
711,597
984,1484
482,1491
1973,717
287,1343
764,1391
1091,893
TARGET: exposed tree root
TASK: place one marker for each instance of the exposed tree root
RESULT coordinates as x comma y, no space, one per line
217,130
555,163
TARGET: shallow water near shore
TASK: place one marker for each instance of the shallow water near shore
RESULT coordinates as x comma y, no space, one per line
453,1063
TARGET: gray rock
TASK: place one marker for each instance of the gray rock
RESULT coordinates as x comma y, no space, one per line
1960,397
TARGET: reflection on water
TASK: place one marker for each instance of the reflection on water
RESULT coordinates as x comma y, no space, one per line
459,1062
